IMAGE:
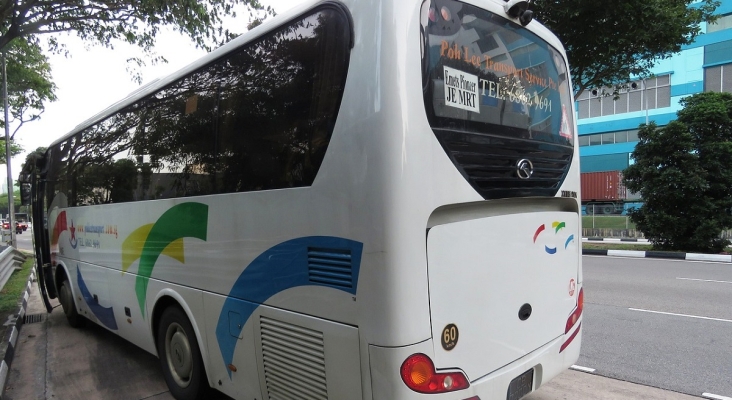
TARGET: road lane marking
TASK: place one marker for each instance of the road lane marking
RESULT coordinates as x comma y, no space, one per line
583,369
715,396
703,280
681,315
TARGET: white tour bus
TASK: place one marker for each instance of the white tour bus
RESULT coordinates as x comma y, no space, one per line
354,200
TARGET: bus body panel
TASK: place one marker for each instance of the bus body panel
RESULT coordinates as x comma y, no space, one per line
388,193
500,287
547,362
280,351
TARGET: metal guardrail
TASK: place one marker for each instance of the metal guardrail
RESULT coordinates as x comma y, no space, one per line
10,260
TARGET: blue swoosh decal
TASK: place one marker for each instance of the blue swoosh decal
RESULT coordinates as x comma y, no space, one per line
281,267
569,240
105,315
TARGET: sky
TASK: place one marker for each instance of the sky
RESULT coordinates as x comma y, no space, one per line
93,78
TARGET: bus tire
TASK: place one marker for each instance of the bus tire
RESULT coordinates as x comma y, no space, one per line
180,356
66,298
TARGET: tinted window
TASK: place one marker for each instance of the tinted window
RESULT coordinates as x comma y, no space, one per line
486,74
260,117
498,100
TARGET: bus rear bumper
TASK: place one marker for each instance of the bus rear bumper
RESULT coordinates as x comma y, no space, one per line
547,362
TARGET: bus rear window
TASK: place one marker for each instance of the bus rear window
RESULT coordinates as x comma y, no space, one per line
485,74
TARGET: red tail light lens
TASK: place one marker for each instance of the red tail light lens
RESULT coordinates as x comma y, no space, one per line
418,373
573,318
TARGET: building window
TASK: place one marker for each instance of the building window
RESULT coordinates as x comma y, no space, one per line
718,79
724,22
609,138
652,93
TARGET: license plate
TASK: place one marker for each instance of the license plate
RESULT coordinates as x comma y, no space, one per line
521,386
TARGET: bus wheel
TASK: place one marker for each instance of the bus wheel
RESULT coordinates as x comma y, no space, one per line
66,298
180,356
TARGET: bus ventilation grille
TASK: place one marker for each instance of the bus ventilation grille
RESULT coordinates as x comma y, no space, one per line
330,267
294,361
489,163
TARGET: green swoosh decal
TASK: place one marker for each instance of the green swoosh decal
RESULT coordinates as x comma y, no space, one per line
558,226
182,220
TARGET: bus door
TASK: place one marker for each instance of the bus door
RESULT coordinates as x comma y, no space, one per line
31,194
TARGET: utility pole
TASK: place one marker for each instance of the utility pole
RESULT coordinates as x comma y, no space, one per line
11,205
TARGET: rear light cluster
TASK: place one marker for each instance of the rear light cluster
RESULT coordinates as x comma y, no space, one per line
573,318
418,373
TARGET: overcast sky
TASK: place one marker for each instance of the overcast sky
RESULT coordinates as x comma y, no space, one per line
94,78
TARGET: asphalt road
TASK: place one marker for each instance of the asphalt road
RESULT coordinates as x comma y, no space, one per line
24,241
662,323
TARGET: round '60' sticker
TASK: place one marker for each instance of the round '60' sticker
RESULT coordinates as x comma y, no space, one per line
449,337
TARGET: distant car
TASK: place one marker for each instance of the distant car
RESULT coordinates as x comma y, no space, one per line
18,228
23,225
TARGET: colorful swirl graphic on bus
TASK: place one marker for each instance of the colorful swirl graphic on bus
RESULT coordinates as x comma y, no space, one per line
59,226
105,315
307,261
557,226
164,237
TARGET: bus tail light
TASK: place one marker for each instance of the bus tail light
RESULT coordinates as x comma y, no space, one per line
418,373
573,318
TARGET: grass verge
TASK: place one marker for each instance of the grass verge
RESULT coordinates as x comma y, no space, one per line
607,222
10,294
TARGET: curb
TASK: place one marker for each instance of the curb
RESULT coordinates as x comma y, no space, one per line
659,254
615,240
11,335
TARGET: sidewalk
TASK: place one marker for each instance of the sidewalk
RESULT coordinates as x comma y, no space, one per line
11,331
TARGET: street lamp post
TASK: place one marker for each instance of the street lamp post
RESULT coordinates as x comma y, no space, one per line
11,206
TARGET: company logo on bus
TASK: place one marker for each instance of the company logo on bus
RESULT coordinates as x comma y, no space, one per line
524,169
556,226
72,239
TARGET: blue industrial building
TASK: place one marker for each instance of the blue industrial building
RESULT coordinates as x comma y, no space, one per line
608,128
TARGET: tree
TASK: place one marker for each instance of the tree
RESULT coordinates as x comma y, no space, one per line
608,43
4,209
681,171
15,149
29,87
105,21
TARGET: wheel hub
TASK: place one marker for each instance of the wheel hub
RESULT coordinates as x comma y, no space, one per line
179,355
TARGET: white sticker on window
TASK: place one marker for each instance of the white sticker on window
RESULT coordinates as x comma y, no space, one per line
461,90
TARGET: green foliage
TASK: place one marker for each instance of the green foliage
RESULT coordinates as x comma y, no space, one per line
607,43
606,222
4,202
682,172
106,22
29,82
15,149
